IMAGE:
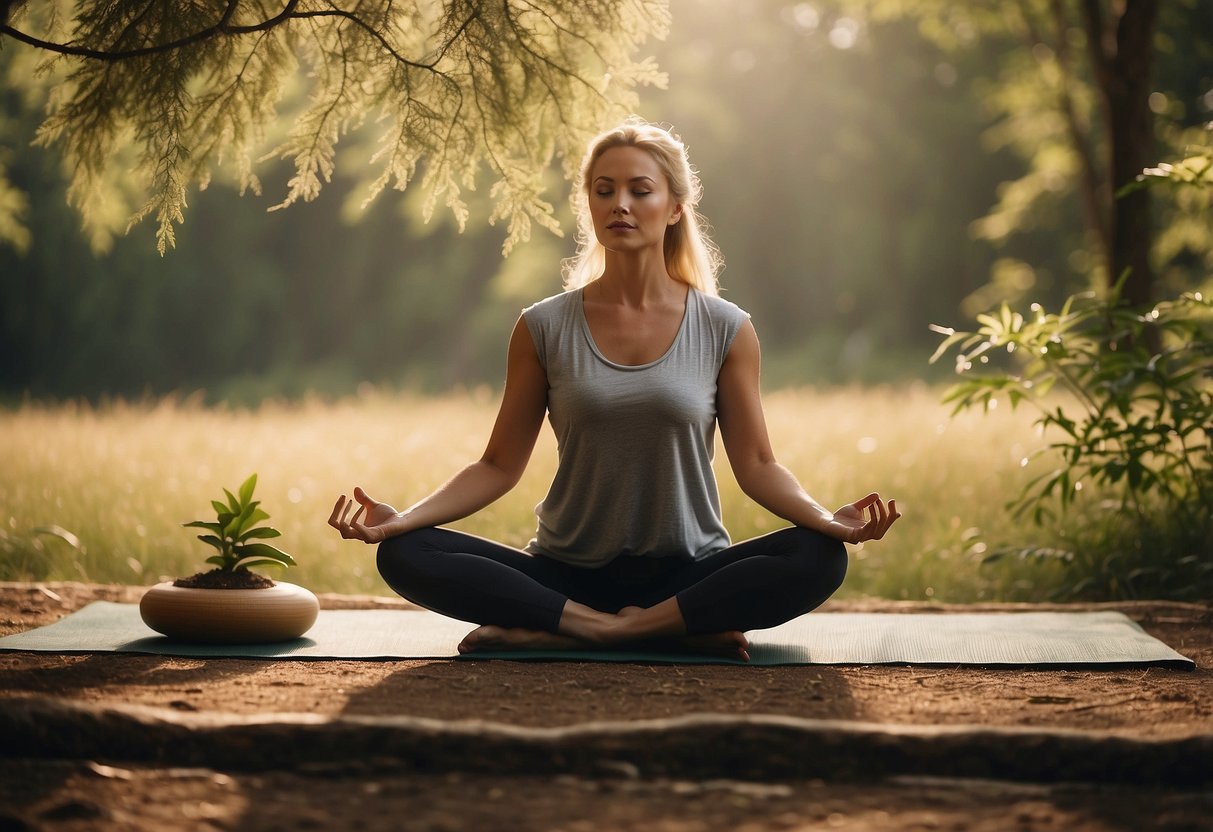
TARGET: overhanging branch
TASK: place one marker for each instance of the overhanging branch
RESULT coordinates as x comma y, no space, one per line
221,27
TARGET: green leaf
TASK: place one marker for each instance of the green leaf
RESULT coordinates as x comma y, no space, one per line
246,489
947,342
202,524
211,540
988,322
233,526
263,533
249,564
63,534
263,550
232,502
220,561
219,507
255,517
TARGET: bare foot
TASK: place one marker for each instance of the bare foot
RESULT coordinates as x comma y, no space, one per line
732,644
492,637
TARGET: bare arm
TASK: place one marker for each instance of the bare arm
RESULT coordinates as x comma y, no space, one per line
744,431
505,458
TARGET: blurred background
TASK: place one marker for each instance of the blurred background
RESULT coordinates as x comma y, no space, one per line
864,177
870,168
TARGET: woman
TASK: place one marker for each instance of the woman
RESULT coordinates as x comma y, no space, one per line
636,363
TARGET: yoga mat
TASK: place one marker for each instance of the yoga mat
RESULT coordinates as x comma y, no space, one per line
987,639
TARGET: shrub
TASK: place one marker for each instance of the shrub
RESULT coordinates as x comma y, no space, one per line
1133,440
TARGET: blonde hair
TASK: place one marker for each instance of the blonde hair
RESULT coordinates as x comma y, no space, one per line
690,255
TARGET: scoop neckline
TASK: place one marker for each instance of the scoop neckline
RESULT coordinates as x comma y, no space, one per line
589,336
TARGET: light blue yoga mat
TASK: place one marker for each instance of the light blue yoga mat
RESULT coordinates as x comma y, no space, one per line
988,639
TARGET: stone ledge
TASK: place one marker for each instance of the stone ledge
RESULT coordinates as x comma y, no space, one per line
702,746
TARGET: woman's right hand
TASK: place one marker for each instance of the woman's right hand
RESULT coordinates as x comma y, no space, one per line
371,523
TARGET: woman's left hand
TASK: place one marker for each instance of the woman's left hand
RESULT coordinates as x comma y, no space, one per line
866,519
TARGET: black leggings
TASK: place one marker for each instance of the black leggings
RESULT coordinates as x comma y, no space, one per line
752,585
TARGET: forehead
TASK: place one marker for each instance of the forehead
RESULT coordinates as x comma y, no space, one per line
625,163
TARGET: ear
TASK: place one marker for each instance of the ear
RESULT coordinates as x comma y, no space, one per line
676,216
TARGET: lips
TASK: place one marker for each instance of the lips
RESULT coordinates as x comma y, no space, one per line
620,225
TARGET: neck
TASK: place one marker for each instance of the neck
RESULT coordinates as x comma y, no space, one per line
638,278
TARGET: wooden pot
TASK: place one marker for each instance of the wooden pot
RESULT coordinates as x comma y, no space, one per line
229,616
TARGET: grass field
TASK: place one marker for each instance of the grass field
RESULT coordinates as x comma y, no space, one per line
116,481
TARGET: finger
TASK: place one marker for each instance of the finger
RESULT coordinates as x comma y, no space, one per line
346,531
875,518
881,513
861,505
354,524
889,516
336,515
893,514
362,497
368,534
870,519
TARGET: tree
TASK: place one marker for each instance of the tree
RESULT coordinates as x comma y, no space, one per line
1080,103
174,91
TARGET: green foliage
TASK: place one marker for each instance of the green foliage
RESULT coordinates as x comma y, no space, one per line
448,87
14,208
1193,171
1185,242
26,556
875,169
236,535
1135,428
1056,98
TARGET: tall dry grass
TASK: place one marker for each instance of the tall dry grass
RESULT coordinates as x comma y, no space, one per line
117,480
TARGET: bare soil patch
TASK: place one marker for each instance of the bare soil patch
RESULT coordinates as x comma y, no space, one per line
52,794
65,796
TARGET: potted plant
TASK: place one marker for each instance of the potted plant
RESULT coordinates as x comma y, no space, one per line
229,604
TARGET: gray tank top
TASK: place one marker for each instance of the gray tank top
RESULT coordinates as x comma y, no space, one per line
635,442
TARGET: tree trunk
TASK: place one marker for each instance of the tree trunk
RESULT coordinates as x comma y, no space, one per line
1122,59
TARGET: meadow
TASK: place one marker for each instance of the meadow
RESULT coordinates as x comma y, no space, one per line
98,493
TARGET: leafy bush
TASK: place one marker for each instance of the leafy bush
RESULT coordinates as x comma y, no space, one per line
1136,429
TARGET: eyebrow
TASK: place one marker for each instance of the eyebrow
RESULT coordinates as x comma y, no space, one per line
633,179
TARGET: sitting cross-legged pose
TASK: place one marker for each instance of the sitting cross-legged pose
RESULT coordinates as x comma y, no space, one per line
635,365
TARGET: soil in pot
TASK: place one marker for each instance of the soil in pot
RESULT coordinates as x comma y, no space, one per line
238,578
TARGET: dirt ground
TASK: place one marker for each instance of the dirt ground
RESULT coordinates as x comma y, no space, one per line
1153,704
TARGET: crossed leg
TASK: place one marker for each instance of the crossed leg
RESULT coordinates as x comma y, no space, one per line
581,627
532,602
